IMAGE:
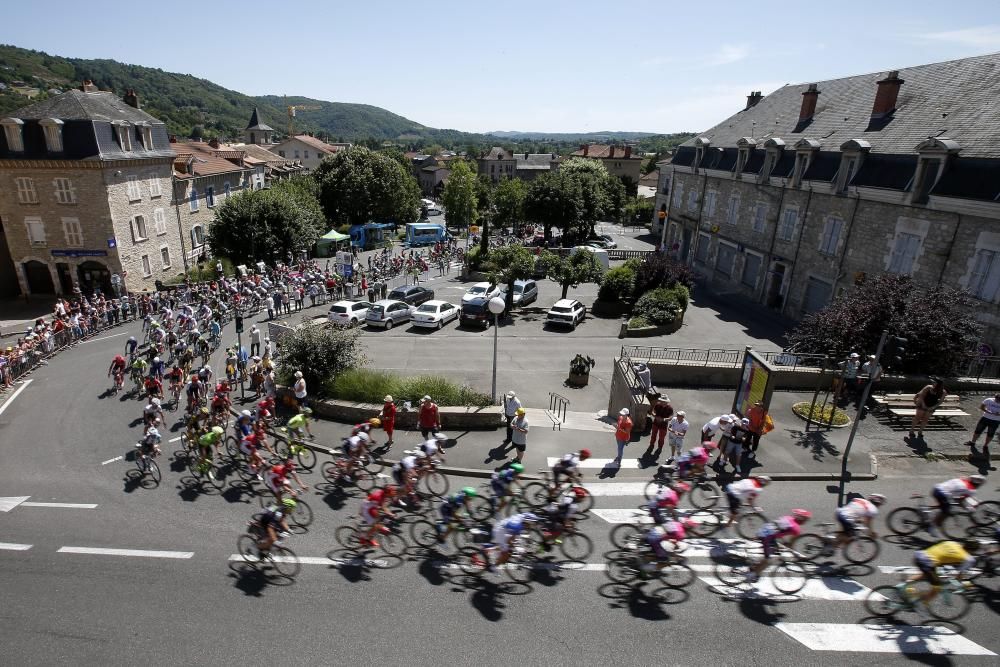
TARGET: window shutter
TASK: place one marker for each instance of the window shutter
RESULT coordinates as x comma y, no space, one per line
991,280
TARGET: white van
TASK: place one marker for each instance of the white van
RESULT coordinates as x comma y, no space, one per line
601,255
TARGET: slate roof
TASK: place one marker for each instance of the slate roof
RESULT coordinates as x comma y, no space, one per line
955,99
607,152
540,161
255,123
497,153
318,144
207,162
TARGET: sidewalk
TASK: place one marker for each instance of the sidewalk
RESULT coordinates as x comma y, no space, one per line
17,315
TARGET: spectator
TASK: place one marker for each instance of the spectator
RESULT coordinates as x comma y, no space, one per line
988,422
388,417
757,414
269,304
301,395
927,401
848,375
662,411
623,433
718,426
254,340
511,404
268,347
871,370
429,419
519,437
677,428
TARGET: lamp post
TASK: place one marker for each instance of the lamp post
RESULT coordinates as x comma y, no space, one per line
496,306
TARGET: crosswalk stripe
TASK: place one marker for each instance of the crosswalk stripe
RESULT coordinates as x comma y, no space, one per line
616,488
139,553
821,588
74,506
11,546
626,464
881,638
635,516
318,560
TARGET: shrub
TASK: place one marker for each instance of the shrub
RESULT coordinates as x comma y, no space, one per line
638,322
475,257
367,385
659,306
660,270
633,264
617,284
321,351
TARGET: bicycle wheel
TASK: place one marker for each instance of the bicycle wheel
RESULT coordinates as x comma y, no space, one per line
627,536
622,570
473,561
653,487
586,503
986,513
862,549
789,577
809,546
391,544
520,567
948,605
749,524
347,537
142,463
576,546
372,464
956,526
730,574
434,483
704,495
480,509
246,546
424,534
215,477
536,494
232,447
154,471
281,446
905,520
885,601
285,561
306,457
364,480
677,575
706,522
331,472
302,515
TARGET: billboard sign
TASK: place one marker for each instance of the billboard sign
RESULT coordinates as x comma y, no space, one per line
756,382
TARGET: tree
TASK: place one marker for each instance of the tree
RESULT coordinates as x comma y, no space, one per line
553,200
395,154
321,352
459,198
255,224
484,210
939,324
508,264
358,185
579,267
508,202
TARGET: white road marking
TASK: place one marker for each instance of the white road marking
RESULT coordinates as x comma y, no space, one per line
319,560
139,553
94,340
15,395
11,546
897,569
597,464
174,439
876,638
117,458
822,588
615,488
642,516
9,503
73,506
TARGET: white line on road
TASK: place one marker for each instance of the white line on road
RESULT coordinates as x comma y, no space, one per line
73,506
14,395
10,502
10,546
117,458
876,638
320,560
626,464
139,553
94,340
616,488
174,439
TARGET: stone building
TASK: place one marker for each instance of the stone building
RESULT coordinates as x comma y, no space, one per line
85,188
498,163
307,150
805,192
618,160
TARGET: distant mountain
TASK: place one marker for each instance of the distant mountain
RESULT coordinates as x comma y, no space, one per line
569,136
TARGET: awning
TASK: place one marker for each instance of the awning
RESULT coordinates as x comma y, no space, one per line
334,235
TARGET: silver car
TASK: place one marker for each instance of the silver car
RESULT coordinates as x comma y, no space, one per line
388,313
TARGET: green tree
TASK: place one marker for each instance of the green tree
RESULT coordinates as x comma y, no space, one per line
395,154
459,199
508,202
484,210
510,263
553,199
358,185
579,267
321,352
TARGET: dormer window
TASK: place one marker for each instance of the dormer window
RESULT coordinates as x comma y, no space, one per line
773,148
146,133
805,149
53,134
13,130
933,157
745,146
852,154
124,136
701,144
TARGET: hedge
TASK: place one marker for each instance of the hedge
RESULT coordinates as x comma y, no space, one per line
367,385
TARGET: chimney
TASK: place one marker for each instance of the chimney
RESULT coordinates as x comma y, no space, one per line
214,142
585,148
131,99
885,96
611,151
628,151
173,138
753,98
808,109
88,86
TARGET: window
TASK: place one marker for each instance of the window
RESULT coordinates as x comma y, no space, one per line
72,232
759,217
210,196
801,162
710,199
305,156
904,253
678,195
733,213
147,137
693,201
52,127
724,259
160,222
36,231
65,193
786,230
281,153
124,136
751,269
226,188
985,281
197,235
26,190
146,270
297,155
134,192
701,252
831,236
154,187
928,171
165,257
138,228
194,199
12,128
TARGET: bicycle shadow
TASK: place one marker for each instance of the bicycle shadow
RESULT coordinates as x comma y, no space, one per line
916,641
816,442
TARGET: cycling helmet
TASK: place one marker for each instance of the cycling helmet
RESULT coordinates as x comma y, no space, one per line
156,402
375,421
391,490
584,454
245,413
529,516
131,339
876,499
289,503
152,433
976,480
470,492
972,546
307,411
364,437
440,437
763,479
204,411
217,430
156,360
578,493
207,368
420,455
682,487
801,515
517,467
515,525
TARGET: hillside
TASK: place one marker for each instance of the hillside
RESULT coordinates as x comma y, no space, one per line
581,137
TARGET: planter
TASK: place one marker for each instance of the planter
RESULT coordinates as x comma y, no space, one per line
578,379
656,330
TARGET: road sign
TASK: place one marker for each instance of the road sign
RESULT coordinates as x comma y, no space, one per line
112,243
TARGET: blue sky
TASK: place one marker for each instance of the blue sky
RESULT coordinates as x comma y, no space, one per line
544,65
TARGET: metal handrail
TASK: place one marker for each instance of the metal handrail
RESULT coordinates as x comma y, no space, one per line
715,357
558,405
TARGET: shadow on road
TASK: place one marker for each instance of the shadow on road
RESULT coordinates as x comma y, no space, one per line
816,442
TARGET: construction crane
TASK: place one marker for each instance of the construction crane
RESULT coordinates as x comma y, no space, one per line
292,110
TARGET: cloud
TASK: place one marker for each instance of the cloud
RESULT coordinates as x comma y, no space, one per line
985,37
727,55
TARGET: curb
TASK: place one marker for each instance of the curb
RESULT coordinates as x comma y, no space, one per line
949,457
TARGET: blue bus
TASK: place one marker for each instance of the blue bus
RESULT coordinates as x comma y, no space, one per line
425,233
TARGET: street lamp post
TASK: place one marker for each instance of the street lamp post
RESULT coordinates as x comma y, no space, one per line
496,306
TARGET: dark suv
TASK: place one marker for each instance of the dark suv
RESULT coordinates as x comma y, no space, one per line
411,294
476,312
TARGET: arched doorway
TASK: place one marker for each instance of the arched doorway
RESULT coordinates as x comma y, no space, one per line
94,276
39,277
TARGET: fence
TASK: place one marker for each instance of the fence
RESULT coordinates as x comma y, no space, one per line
13,372
715,357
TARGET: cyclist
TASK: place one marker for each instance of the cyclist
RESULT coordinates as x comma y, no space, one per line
432,447
175,376
244,424
150,444
663,505
568,465
202,348
692,462
508,528
248,445
271,524
194,391
156,369
947,552
786,527
152,412
960,489
197,424
205,375
265,409
354,448
277,478
560,516
858,511
117,368
130,345
376,506
448,508
220,407
298,425
501,483
139,368
405,472
657,557
153,386
743,490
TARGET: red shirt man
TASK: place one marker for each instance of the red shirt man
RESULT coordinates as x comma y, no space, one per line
428,419
388,417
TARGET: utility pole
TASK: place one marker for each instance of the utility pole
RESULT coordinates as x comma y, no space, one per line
862,407
239,343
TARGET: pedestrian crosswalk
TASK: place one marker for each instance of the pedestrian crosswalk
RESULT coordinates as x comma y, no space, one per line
882,638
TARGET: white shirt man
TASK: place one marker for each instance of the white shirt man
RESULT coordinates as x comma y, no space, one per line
677,428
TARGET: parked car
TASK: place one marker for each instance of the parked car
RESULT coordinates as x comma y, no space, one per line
477,312
434,314
411,294
350,313
602,242
387,313
525,291
566,312
481,291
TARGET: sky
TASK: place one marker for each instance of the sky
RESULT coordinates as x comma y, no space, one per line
542,65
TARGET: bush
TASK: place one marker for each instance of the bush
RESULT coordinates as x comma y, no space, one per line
638,322
633,264
367,385
475,257
203,271
322,352
343,229
617,284
659,270
662,305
